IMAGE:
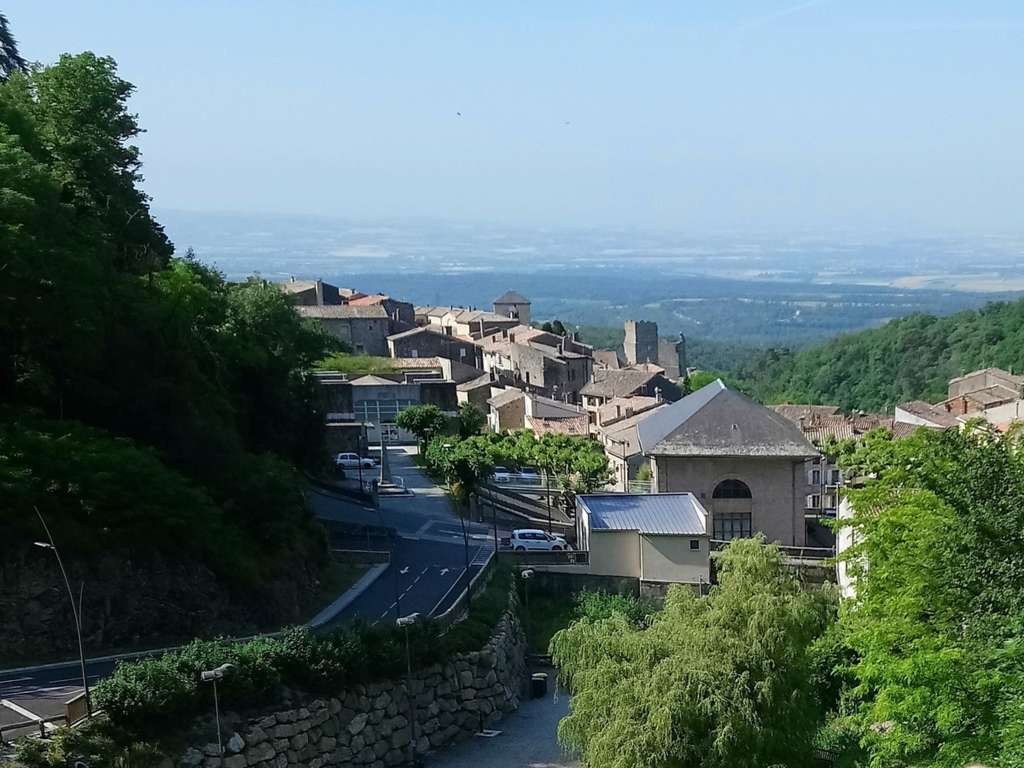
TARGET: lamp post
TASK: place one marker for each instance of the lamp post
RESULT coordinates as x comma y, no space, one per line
212,676
75,608
405,622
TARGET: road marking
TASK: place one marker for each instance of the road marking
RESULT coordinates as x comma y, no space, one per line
445,571
458,580
15,680
423,528
404,570
26,713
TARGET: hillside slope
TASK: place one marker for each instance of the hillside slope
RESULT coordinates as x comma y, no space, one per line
913,357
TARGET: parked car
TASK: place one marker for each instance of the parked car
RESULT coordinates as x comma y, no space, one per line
353,461
523,539
524,476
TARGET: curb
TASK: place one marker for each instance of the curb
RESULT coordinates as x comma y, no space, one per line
345,600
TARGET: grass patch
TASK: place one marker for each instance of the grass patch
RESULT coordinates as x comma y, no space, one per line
343,363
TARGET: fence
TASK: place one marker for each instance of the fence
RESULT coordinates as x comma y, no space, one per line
476,585
545,557
531,511
795,553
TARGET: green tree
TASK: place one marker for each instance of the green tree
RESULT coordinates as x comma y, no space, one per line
424,421
939,528
10,59
470,420
716,681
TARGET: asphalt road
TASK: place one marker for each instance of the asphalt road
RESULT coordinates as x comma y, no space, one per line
426,575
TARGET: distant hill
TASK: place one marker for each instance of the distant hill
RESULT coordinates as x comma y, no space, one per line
913,357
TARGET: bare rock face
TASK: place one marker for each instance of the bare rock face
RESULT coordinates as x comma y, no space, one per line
129,603
371,726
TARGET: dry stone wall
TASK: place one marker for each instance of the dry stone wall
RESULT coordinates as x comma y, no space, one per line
370,725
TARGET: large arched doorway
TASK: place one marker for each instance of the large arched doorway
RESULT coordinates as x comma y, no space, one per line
731,506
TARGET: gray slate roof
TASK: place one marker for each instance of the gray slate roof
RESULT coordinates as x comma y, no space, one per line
614,383
679,514
717,421
511,297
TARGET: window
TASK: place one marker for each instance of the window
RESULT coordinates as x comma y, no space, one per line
380,411
462,353
694,543
731,489
814,501
816,477
835,477
732,526
414,353
527,377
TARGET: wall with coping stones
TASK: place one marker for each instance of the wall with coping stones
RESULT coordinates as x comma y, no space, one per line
368,725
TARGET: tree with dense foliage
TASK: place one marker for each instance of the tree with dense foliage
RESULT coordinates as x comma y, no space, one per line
10,59
554,326
198,384
470,420
906,359
721,681
936,623
425,421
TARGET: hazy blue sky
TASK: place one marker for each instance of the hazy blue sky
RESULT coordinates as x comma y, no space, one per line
681,115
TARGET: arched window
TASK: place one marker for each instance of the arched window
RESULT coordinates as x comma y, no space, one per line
731,489
731,511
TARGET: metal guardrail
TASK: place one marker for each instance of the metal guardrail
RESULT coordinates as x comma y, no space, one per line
476,585
798,553
530,510
545,557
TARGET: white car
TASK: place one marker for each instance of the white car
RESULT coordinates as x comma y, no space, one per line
523,539
525,476
502,475
353,461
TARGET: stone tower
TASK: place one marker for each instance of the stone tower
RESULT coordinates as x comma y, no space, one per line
681,354
641,343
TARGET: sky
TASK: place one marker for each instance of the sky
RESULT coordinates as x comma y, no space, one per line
779,115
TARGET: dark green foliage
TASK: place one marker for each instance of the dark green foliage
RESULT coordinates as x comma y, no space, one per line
144,696
10,59
100,326
470,421
555,327
424,421
906,359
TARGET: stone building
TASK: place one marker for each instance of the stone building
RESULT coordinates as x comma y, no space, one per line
364,329
641,342
512,304
312,293
743,461
426,342
607,385
539,362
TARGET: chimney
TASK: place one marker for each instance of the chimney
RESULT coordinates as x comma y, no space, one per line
657,394
319,292
803,423
618,411
512,338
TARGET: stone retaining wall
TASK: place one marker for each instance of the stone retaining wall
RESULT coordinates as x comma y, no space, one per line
369,725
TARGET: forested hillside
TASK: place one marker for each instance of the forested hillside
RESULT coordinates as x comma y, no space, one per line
147,407
909,358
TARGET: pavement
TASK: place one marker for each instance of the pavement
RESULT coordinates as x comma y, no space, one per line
527,739
426,574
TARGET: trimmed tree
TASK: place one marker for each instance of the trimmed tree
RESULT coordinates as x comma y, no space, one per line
424,421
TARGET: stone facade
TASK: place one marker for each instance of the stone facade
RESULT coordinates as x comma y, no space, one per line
641,342
369,725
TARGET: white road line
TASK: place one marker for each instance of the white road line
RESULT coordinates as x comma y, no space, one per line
444,597
25,712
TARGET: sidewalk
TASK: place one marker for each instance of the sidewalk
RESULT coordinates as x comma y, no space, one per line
527,740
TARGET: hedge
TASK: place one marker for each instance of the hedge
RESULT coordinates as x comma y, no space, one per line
143,696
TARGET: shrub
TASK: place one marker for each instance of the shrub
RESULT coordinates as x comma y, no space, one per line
603,605
143,696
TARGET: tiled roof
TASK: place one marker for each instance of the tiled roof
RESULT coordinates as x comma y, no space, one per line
483,380
796,412
717,421
504,398
343,312
573,425
928,412
367,301
616,383
606,358
672,514
511,297
373,380
619,408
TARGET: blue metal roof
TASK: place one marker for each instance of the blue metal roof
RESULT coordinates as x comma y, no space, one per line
654,513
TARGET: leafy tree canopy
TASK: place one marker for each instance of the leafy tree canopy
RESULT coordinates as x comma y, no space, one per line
722,680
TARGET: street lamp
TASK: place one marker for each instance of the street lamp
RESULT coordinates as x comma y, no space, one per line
212,676
75,608
405,622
